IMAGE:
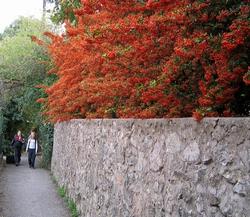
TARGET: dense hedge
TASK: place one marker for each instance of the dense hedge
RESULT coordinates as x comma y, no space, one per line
148,59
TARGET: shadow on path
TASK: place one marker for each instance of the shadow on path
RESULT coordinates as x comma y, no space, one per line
26,192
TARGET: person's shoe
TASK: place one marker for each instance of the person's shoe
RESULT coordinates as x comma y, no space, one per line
16,165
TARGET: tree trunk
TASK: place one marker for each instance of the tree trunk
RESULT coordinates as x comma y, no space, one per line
44,8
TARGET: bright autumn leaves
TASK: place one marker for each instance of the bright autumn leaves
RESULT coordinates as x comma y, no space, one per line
164,58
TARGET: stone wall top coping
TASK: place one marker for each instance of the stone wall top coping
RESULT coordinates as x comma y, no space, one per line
189,119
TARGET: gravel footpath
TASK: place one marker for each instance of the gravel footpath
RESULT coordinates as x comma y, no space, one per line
26,192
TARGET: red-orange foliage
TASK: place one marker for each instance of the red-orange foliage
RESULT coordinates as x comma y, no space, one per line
161,58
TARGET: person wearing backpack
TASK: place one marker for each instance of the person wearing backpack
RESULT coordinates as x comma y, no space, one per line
32,148
17,144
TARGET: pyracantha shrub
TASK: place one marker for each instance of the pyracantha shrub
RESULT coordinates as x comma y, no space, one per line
150,59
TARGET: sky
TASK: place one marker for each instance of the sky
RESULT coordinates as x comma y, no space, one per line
10,10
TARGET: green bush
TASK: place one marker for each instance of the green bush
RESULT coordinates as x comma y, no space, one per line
1,129
46,140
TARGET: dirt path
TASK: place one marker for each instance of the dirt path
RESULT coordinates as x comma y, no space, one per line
26,192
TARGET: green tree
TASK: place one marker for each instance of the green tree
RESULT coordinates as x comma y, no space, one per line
64,10
19,56
25,63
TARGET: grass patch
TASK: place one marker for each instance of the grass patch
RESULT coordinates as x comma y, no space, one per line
72,208
70,203
54,179
61,191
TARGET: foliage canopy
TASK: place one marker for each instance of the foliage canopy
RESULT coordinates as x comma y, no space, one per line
148,59
22,64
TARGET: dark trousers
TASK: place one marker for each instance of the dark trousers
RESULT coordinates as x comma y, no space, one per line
32,157
17,153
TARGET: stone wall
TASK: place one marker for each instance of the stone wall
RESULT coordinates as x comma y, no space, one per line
155,168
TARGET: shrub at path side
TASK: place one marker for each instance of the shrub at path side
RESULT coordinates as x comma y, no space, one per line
151,59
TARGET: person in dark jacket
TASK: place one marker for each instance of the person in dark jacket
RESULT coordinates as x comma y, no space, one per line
17,144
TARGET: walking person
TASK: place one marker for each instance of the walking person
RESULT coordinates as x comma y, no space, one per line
32,148
17,144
